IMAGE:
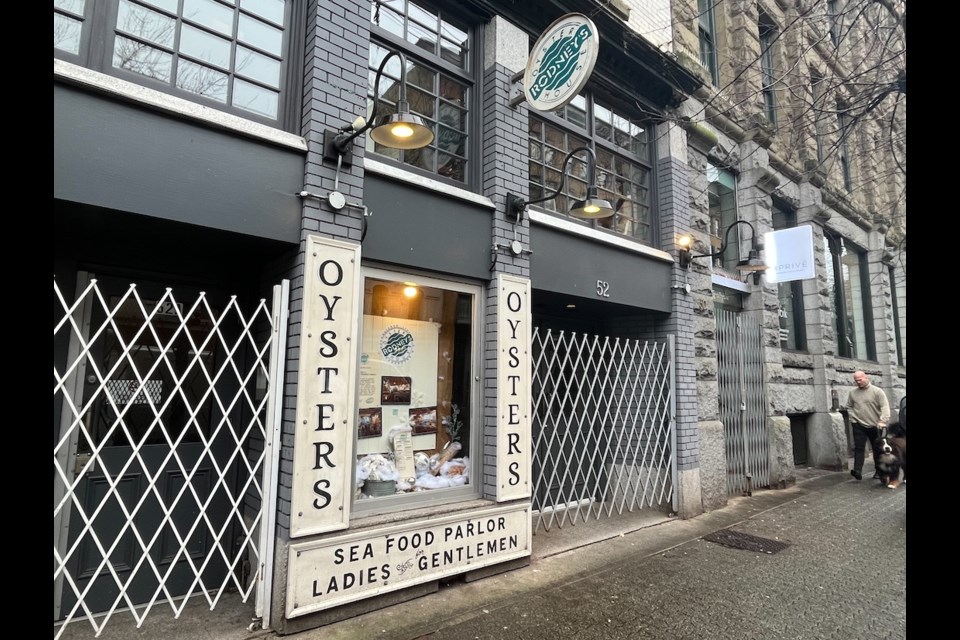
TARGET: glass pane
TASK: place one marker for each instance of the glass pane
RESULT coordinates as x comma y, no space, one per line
204,46
138,57
451,141
453,117
260,35
422,103
428,19
453,52
256,99
536,129
421,37
382,16
425,389
258,67
272,10
422,158
536,151
577,112
452,91
73,6
202,81
146,24
66,33
209,14
451,167
452,32
555,138
420,76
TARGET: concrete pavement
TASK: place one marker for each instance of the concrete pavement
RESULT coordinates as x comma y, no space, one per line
660,580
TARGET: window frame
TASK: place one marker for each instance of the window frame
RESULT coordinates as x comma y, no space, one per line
833,19
728,262
836,247
469,75
99,34
707,34
817,93
794,288
474,488
843,148
768,34
589,136
898,337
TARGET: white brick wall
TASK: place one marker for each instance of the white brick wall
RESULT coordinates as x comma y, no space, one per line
651,19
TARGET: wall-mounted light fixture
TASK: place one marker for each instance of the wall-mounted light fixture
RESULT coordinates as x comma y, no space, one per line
400,130
752,264
590,208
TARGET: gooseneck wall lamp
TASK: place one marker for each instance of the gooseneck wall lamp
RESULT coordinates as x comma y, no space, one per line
400,130
590,208
752,264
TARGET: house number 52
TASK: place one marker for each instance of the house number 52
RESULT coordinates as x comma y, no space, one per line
603,288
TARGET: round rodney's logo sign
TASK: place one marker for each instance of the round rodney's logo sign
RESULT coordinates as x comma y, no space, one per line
396,344
561,62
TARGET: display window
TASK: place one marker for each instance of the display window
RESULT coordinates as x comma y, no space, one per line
417,425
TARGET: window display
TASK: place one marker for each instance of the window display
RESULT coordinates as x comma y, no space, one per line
413,428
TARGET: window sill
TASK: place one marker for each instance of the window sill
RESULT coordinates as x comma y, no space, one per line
160,101
550,220
396,173
730,283
368,520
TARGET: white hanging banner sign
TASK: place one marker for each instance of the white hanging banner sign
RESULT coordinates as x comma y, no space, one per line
513,388
788,254
561,62
323,470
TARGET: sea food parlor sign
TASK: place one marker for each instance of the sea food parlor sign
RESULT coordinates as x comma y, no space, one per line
513,388
322,471
331,572
561,62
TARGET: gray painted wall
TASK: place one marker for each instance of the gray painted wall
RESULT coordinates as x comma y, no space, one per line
564,263
110,154
426,230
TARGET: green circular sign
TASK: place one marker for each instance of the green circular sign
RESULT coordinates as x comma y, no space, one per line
561,62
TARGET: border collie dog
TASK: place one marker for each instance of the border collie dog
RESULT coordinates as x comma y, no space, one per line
892,455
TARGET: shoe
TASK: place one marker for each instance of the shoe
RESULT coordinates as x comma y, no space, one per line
856,474
876,474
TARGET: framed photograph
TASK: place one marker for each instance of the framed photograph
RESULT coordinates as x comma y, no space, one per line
371,423
423,420
394,390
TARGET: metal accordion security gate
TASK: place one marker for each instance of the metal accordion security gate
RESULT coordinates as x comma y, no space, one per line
603,427
165,452
743,403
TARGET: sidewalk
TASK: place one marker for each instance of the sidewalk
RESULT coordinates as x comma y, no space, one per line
664,580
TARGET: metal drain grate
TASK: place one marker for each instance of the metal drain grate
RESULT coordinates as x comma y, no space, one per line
738,540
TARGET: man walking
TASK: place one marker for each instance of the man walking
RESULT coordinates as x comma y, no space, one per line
869,411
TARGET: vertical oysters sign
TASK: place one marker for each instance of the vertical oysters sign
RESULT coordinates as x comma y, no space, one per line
561,62
326,403
513,388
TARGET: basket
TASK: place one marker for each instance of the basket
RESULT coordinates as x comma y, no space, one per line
376,488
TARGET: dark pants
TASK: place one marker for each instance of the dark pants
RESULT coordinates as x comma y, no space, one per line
861,434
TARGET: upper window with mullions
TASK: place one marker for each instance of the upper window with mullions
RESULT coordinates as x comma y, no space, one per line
438,86
623,173
230,52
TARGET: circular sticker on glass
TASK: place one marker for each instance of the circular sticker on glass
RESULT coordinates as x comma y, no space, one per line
396,344
561,62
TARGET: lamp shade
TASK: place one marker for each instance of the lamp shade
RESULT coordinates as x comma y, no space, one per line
402,130
591,209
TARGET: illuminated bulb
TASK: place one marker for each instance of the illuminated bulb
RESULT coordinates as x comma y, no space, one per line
591,208
402,130
410,291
